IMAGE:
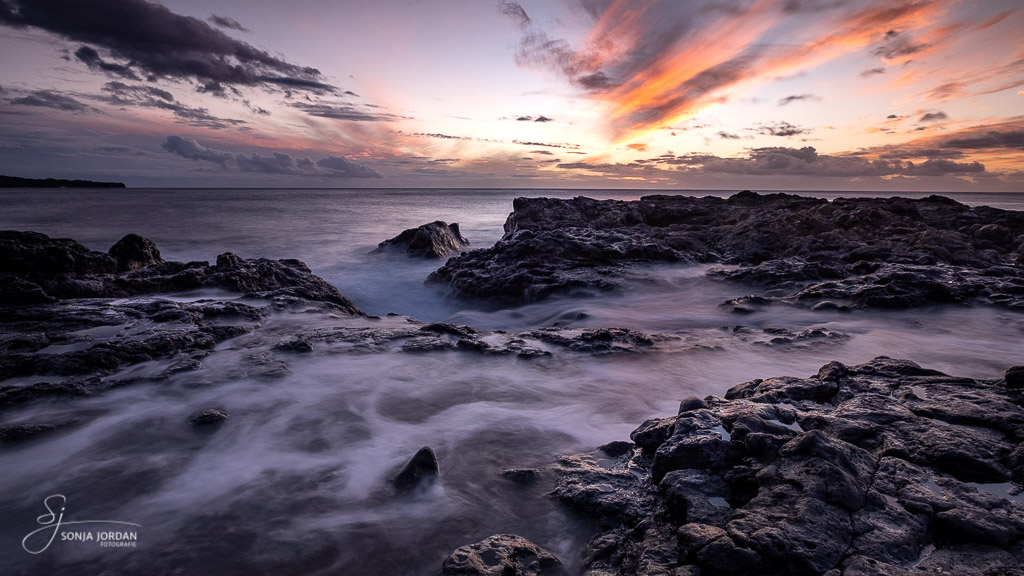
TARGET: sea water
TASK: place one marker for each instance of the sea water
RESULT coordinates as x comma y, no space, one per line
296,480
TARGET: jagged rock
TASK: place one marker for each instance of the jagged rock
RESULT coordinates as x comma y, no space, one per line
861,469
502,555
421,469
41,269
870,252
434,240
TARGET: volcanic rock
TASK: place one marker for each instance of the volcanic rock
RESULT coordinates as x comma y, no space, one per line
434,240
421,469
864,252
863,469
502,555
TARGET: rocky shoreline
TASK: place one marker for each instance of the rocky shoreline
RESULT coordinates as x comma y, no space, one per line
847,253
881,468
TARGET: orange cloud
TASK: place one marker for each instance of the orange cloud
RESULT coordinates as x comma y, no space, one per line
657,81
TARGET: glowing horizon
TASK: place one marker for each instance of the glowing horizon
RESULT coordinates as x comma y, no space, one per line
766,94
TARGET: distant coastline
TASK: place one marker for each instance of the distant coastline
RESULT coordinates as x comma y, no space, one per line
15,182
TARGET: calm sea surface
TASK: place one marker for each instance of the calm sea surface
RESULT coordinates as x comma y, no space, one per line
293,482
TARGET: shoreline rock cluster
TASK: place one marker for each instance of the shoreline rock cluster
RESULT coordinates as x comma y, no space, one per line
885,468
866,253
68,318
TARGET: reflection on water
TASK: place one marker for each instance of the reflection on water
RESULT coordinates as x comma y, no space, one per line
295,481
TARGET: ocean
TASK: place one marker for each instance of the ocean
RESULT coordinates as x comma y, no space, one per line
295,482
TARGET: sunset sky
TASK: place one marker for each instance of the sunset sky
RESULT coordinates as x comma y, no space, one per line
717,94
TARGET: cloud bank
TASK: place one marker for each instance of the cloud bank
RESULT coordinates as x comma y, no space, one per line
276,163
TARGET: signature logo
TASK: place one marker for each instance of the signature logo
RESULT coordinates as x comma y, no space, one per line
53,520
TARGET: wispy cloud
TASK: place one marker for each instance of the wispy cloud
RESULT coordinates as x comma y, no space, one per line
50,99
229,23
276,163
656,62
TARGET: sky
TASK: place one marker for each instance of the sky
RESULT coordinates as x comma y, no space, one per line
704,94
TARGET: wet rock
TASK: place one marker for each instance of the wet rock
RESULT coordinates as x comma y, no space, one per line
301,345
133,252
870,252
1014,377
19,432
864,469
209,417
522,475
502,555
434,240
421,469
617,448
45,269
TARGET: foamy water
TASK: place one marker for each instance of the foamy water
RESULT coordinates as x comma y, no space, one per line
296,480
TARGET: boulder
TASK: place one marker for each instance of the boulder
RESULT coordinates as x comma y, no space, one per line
502,555
434,240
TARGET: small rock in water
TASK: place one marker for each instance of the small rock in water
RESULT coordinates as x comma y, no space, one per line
617,448
502,555
210,416
422,468
522,475
434,240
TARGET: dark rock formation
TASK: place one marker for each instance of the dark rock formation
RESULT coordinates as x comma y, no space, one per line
434,240
868,469
872,252
502,555
35,268
60,324
210,416
74,348
421,469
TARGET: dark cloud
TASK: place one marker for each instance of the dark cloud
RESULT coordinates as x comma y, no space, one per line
540,118
542,152
595,82
727,136
345,168
784,129
982,139
154,42
892,116
797,98
934,117
514,11
229,23
50,99
122,94
92,60
343,112
276,163
897,45
872,72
